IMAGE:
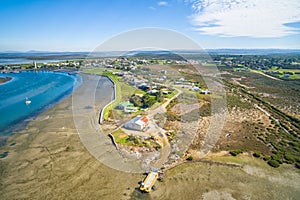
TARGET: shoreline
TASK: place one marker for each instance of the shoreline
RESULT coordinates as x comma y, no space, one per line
20,124
49,161
4,80
115,97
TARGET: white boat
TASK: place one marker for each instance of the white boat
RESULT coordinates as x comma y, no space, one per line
27,102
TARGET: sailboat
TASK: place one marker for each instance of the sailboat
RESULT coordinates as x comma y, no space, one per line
27,102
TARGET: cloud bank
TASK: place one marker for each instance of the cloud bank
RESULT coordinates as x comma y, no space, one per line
252,18
162,3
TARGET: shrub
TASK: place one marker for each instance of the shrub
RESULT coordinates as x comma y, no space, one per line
235,152
274,163
256,155
190,158
266,158
172,116
289,158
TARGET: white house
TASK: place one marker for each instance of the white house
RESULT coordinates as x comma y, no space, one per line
154,91
195,88
139,123
205,92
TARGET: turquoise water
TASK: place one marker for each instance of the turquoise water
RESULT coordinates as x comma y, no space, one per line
42,88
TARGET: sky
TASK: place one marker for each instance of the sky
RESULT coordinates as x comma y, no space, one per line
81,25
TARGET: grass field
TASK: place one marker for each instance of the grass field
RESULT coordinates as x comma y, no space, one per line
294,73
120,136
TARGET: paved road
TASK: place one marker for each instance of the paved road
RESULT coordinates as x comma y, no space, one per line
162,108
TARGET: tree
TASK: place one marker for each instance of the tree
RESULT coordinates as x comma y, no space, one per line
137,101
159,96
148,101
256,155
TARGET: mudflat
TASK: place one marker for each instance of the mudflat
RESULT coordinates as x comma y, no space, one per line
48,161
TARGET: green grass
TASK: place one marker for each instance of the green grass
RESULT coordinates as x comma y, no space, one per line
281,72
127,91
294,77
208,64
118,99
140,92
93,71
123,139
100,70
113,77
120,136
169,96
123,91
233,100
288,70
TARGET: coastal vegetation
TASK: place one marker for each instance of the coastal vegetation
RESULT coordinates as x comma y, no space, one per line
281,135
135,141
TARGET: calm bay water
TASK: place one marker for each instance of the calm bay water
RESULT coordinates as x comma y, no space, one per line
42,88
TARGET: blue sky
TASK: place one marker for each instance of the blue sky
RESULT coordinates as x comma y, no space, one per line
78,25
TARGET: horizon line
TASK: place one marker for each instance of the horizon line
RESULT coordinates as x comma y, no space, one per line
54,51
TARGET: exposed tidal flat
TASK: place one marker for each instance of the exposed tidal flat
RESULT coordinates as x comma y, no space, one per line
48,161
42,89
5,79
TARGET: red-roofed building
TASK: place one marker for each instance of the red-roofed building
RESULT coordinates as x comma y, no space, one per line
139,123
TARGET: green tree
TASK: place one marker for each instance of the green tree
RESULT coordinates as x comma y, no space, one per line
159,96
137,101
148,101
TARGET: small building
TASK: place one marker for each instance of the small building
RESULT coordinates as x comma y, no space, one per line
286,75
127,107
130,109
178,82
205,92
163,72
165,91
124,104
139,123
195,88
153,91
144,86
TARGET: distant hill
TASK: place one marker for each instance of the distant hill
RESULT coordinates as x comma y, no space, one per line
47,54
253,51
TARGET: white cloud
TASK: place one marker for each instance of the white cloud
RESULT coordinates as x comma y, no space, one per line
252,18
152,8
162,3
